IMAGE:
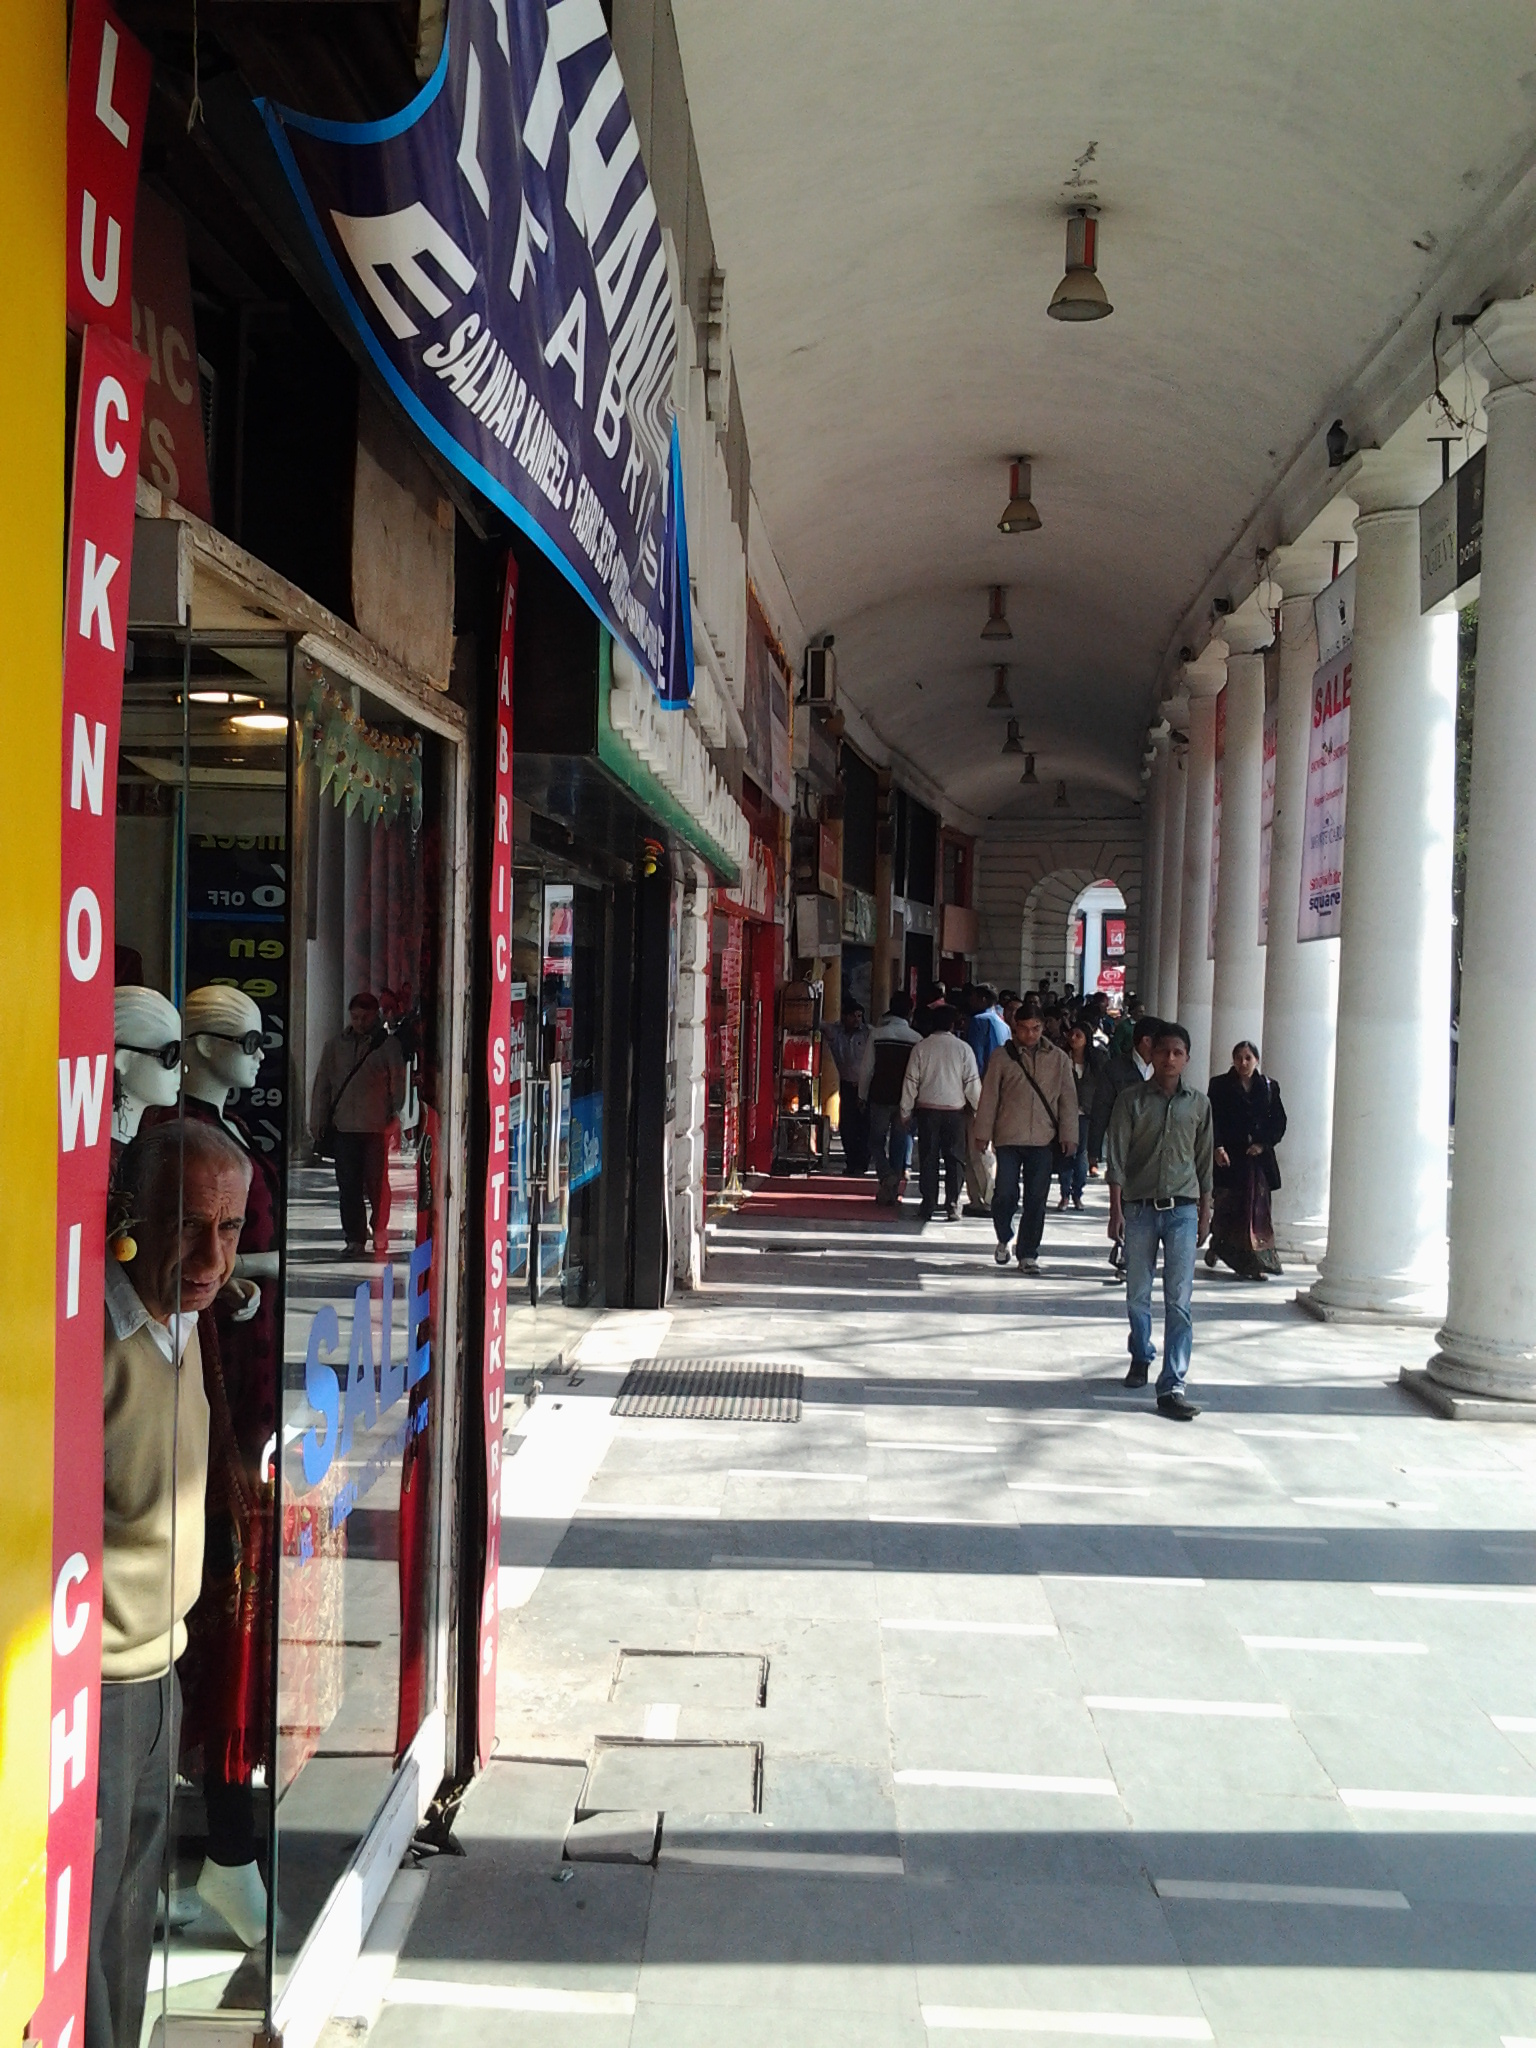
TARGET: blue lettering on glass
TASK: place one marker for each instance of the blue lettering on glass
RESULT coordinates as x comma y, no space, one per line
366,1400
322,1394
361,1405
418,1310
586,1140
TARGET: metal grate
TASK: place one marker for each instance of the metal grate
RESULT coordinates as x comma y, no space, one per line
712,1390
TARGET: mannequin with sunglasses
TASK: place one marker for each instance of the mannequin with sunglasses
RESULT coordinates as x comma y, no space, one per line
146,1058
226,1671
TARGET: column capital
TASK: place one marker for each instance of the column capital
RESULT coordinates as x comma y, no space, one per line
1252,629
1176,712
1207,674
1303,569
1395,479
1507,332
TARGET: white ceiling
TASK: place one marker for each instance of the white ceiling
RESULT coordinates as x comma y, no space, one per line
1280,188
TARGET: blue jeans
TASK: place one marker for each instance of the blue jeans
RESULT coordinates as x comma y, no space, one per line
1176,1230
1031,1166
1074,1171
890,1146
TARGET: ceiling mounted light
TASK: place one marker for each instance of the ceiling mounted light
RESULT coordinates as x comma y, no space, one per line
997,626
223,697
260,721
1021,516
1061,796
1029,778
1080,296
1013,744
1000,699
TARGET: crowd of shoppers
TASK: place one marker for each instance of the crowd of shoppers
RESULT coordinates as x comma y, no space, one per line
1003,1093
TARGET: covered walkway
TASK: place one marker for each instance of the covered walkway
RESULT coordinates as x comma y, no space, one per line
1067,1723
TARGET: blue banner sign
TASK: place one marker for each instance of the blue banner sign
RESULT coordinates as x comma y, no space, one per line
496,243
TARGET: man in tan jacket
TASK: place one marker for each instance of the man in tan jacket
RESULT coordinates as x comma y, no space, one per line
184,1187
1028,1114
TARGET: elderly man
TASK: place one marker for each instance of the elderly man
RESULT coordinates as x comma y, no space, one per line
182,1187
358,1092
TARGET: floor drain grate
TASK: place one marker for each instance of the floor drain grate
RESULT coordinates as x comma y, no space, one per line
712,1390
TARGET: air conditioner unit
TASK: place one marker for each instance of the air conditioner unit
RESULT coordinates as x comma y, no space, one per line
821,675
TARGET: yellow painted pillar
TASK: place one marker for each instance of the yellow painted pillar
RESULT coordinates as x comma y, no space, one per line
32,97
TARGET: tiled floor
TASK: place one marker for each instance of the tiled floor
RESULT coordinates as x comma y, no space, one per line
1079,1724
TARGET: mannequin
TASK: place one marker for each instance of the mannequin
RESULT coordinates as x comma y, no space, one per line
226,1669
146,1034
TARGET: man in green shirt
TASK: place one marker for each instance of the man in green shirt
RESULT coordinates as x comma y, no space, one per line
1159,1158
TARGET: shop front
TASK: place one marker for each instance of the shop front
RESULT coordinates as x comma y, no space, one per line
288,979
745,966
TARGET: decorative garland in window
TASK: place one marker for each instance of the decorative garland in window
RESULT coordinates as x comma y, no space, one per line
378,773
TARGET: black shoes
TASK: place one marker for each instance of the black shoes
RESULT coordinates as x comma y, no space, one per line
951,1212
1136,1377
1176,1408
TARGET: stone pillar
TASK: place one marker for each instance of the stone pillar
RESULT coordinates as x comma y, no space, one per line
1163,1001
1386,1254
1203,680
1237,987
689,1149
1488,1345
1301,982
1149,937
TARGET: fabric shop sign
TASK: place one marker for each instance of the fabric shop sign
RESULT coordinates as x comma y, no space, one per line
497,245
1320,913
1451,533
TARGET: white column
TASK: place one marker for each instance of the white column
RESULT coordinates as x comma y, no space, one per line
1301,982
1488,1345
1149,938
1163,1001
1203,680
1237,986
1386,1252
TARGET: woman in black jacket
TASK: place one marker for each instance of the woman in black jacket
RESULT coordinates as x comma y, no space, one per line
1249,1121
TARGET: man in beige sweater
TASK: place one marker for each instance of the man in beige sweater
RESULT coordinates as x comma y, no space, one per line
184,1185
1028,1114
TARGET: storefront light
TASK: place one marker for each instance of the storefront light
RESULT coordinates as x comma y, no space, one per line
223,697
260,721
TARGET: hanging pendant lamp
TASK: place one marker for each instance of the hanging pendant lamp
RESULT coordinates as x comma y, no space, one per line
1000,699
1029,778
1013,744
997,626
1020,515
1080,296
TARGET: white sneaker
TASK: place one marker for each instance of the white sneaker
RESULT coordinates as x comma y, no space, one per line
1002,1255
1031,1267
236,1893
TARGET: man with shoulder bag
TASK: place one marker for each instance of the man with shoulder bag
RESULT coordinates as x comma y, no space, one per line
1028,1114
358,1092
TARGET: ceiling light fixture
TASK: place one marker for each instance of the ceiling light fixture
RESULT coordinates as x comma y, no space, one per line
1029,778
1061,796
261,721
1080,296
1021,516
1000,699
1013,744
997,626
222,697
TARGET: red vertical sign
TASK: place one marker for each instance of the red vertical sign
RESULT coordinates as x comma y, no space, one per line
95,629
498,1072
108,97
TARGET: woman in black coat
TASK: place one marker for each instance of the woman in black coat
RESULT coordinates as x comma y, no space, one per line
1249,1122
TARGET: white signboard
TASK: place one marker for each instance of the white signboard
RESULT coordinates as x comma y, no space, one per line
1322,859
1221,748
1267,815
1334,611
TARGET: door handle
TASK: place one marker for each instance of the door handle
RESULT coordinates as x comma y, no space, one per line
552,1149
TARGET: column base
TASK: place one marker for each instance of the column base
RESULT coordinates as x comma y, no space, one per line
1456,1407
1405,1317
1497,1375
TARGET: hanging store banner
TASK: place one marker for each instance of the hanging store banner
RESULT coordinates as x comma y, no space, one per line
1451,533
497,246
174,453
1221,748
501,1076
1322,854
108,413
1267,814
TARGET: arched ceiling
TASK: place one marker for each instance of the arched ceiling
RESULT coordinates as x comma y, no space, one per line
886,182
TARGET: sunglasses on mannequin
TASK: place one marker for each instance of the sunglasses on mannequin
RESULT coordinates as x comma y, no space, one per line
248,1041
167,1055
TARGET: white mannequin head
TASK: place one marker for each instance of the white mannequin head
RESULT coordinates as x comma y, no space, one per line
217,1066
145,1027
